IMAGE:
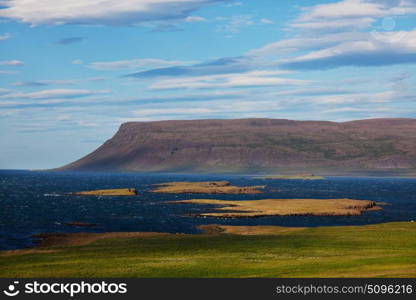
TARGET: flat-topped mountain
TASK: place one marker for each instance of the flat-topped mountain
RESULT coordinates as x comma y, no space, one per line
256,145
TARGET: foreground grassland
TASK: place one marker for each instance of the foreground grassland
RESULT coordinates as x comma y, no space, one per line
382,250
284,207
205,187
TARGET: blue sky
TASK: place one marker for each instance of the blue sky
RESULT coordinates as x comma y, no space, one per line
71,74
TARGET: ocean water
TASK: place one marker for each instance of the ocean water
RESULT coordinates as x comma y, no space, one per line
34,202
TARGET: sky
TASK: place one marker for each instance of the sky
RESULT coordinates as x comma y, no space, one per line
71,72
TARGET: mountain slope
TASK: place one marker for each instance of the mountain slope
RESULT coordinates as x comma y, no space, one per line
254,145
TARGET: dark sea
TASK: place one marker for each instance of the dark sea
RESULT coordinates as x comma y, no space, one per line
35,202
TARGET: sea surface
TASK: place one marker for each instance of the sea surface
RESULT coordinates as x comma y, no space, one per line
35,202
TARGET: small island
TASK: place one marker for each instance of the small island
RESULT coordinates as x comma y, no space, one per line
292,177
284,207
110,192
205,187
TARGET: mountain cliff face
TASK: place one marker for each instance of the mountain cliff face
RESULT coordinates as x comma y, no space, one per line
255,145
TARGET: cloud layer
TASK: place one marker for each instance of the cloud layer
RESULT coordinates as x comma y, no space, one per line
143,63
98,12
223,65
329,60
236,80
53,94
351,14
11,63
369,51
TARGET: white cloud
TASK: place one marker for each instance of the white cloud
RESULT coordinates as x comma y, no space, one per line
56,93
337,24
4,91
57,82
359,98
77,62
236,23
195,19
345,19
270,105
233,4
64,117
266,21
8,72
99,12
358,109
87,124
249,79
332,50
170,111
184,110
11,63
5,36
343,9
309,42
369,51
223,65
352,14
144,63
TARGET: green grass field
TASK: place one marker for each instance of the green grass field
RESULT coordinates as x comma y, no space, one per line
382,250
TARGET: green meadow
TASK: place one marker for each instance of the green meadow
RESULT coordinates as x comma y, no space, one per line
381,250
